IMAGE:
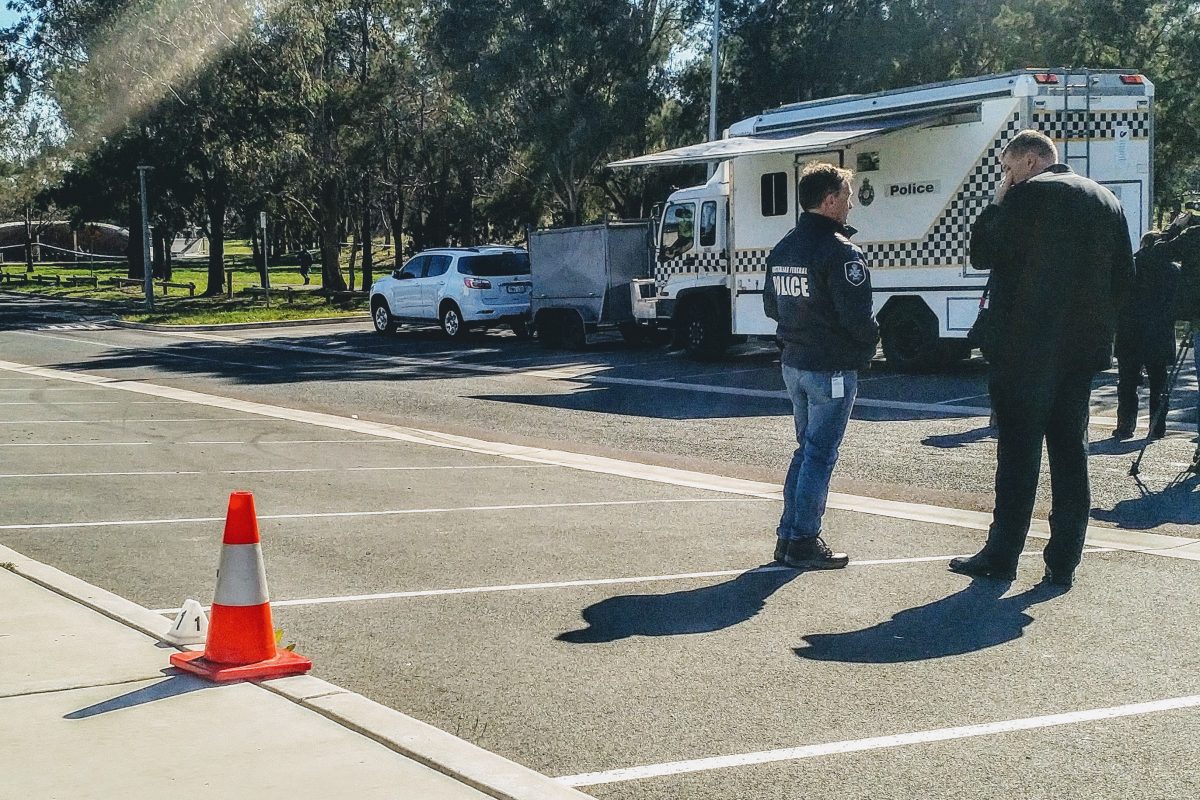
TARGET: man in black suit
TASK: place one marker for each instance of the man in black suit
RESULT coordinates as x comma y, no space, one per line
1057,245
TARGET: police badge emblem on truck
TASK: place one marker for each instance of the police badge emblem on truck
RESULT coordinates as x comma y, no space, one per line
866,194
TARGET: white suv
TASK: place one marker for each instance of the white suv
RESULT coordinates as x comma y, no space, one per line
457,287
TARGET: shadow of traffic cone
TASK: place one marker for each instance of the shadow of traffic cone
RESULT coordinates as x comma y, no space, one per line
241,637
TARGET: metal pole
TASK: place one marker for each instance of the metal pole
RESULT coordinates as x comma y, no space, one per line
147,267
712,89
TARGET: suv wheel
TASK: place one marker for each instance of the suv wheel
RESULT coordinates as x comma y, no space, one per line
452,321
381,317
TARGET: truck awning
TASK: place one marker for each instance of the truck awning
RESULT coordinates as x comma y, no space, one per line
819,140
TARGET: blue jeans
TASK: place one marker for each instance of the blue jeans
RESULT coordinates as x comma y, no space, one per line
820,424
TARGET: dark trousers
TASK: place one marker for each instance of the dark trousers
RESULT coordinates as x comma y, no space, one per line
1129,371
1030,410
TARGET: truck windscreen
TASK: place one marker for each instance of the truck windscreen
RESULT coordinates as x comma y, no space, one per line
495,265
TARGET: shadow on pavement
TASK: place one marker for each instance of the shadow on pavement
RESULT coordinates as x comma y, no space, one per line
973,619
1178,503
173,686
703,610
952,440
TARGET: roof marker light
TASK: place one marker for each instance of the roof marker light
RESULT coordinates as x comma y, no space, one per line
1133,80
1045,77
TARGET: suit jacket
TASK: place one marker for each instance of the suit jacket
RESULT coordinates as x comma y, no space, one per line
1061,262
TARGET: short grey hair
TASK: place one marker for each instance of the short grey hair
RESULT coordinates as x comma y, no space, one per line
1031,141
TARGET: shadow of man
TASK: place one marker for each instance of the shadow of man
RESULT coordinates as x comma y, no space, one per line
973,619
948,441
703,610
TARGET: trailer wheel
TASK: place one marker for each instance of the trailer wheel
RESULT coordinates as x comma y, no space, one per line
549,330
574,334
910,338
702,331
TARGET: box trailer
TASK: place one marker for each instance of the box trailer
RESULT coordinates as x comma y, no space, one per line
926,163
583,279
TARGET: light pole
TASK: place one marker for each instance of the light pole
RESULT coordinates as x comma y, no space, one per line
147,268
712,89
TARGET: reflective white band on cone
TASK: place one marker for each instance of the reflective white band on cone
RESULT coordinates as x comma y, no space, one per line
241,577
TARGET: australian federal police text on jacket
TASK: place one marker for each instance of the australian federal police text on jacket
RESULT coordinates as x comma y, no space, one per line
819,291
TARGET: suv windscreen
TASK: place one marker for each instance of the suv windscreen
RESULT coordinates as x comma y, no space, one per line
494,265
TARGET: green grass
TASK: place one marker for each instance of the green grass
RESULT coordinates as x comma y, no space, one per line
128,302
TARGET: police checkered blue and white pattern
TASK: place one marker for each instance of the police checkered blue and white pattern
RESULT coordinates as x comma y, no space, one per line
750,260
946,243
699,264
1074,124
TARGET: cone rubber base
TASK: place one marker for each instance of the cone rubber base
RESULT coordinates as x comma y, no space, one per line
285,662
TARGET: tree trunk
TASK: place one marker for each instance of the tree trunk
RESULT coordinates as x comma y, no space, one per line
134,251
327,220
215,206
368,259
28,239
159,258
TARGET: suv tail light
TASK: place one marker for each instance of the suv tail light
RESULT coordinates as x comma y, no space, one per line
476,283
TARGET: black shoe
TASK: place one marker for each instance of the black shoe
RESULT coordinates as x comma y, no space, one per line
1122,434
1157,433
813,554
980,566
781,547
1063,578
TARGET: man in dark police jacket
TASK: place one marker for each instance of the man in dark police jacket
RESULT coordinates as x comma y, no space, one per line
1058,248
819,291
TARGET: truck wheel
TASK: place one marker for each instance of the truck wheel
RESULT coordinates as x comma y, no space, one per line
910,338
381,317
574,335
633,333
702,331
955,350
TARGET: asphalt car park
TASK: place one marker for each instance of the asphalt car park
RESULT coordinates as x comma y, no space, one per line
608,621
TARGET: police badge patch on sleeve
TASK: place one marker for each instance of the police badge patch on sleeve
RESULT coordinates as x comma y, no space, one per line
856,273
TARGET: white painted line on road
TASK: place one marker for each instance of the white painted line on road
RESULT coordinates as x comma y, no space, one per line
387,513
113,421
263,471
880,742
151,351
75,444
521,587
960,399
1154,544
93,403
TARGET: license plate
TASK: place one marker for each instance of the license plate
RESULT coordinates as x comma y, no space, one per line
517,288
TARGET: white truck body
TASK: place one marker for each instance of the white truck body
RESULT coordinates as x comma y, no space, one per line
926,162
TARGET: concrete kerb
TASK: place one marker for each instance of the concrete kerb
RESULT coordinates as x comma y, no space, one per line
432,747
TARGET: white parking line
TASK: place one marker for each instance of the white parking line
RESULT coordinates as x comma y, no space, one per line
75,444
521,587
1155,544
387,513
880,742
114,421
262,471
93,403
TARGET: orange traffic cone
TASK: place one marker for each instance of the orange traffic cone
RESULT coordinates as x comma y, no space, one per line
241,638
